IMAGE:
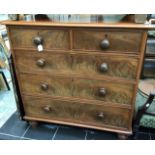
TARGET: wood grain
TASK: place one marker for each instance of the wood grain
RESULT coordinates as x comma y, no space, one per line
77,88
55,62
73,58
118,66
119,41
119,25
115,92
86,64
76,112
57,39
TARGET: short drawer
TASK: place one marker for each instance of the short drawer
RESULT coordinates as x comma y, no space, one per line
111,65
107,40
73,63
101,90
43,62
46,85
82,113
52,38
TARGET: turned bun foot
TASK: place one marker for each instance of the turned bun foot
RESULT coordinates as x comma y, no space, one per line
34,124
123,136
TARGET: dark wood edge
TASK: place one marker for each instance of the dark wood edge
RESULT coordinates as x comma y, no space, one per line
18,97
16,80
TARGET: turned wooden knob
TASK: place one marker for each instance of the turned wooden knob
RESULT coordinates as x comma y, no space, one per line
104,67
44,86
102,92
38,40
47,109
41,63
105,43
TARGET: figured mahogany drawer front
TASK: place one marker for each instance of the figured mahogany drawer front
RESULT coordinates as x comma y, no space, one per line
107,91
83,113
105,65
46,85
44,62
51,38
107,40
84,64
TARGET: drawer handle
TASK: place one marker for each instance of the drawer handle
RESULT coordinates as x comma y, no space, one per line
41,63
38,41
105,43
100,115
44,86
104,67
47,109
102,92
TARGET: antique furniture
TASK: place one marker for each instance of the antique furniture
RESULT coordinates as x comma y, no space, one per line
83,75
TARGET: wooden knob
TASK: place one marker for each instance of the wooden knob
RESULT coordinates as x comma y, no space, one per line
47,109
104,67
38,40
102,92
44,86
41,62
105,43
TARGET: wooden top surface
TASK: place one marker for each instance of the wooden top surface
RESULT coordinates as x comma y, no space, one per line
91,25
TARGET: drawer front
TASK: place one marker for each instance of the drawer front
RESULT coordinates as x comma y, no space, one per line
45,62
46,85
52,38
87,114
105,40
106,91
84,64
105,65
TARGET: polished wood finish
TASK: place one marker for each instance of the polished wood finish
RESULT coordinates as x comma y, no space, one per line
76,87
76,112
89,64
117,65
74,80
24,37
119,41
122,25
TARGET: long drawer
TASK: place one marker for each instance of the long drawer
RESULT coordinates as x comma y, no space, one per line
83,113
101,90
85,64
107,40
52,38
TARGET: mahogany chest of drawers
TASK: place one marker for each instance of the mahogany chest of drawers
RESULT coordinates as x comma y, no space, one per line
83,75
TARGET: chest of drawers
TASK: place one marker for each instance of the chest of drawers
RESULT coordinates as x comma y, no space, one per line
86,75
